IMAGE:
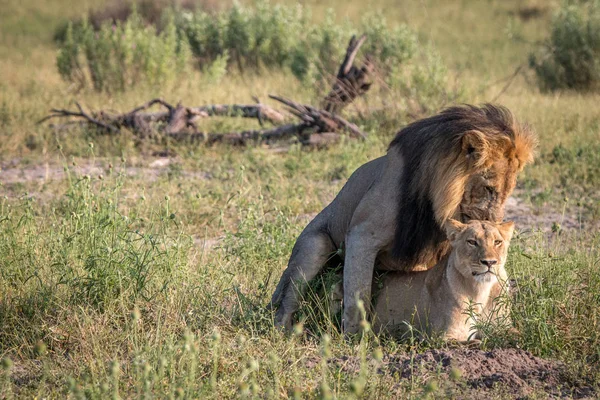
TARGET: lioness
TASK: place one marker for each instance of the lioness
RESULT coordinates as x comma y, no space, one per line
461,164
445,299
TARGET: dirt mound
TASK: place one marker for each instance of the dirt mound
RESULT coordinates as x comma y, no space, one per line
516,371
473,373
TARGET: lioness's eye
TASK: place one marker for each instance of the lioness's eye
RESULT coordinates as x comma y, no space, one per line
472,242
497,242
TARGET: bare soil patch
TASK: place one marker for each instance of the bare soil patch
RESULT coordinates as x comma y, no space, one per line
14,172
518,210
151,169
513,372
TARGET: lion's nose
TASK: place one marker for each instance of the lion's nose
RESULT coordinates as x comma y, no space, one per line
489,263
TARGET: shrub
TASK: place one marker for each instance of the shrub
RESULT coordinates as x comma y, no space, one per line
571,55
150,12
262,36
123,55
424,84
391,47
278,36
119,56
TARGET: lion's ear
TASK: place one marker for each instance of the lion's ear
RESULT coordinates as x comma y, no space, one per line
506,229
453,228
475,148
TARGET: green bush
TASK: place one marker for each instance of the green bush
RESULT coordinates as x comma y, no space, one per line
424,84
150,11
571,55
286,37
278,36
121,56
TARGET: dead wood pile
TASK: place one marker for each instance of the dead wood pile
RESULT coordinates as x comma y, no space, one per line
310,125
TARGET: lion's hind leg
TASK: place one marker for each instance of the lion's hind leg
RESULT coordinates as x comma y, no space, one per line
310,254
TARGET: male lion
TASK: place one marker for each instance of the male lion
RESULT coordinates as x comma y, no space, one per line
461,164
466,281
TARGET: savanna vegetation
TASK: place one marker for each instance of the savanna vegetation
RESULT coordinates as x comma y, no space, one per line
135,268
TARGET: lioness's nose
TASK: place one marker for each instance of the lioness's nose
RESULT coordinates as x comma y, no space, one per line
489,263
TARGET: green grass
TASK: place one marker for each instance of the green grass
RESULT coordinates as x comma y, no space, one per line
107,286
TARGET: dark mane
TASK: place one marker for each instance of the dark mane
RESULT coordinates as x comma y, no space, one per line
426,147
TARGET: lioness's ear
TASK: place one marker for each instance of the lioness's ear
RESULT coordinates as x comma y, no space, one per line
453,228
506,229
475,148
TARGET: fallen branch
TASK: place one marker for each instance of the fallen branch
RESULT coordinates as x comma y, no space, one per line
324,120
66,113
316,126
180,122
350,81
175,116
268,135
258,111
306,135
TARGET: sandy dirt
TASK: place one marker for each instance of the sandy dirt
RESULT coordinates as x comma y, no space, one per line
14,172
474,373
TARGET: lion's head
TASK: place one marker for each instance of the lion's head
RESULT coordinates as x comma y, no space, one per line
461,164
479,249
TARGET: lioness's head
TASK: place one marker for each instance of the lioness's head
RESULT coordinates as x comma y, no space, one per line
479,248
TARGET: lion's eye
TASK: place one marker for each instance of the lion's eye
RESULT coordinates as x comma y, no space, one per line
497,242
472,242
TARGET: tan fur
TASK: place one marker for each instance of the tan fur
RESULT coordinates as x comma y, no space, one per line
461,163
448,299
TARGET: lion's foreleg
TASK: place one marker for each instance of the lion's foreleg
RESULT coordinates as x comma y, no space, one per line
310,253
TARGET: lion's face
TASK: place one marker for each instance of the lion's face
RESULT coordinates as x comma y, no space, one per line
479,248
486,191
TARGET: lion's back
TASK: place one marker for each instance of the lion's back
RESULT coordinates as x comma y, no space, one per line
338,214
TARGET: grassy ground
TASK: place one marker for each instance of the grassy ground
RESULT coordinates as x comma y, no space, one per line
133,279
